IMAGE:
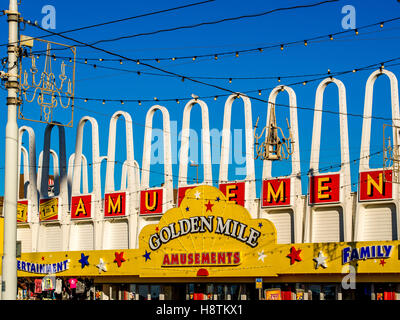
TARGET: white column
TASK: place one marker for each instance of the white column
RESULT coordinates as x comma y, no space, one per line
9,264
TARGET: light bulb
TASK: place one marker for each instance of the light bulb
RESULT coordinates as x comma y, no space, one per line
281,46
259,92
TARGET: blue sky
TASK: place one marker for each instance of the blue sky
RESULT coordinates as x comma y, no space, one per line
370,46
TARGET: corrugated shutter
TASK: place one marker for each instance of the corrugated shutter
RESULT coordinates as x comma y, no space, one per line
327,225
52,237
376,223
82,236
284,226
24,234
116,235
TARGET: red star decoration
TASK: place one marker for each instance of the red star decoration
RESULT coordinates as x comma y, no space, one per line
382,262
42,258
156,229
294,255
119,258
209,206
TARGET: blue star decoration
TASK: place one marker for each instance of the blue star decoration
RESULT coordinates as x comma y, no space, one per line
84,260
218,199
187,209
147,255
260,225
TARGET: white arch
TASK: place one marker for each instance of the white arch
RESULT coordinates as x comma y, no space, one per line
366,128
390,207
267,165
129,179
250,185
96,165
226,135
295,210
30,174
133,185
206,145
343,208
168,180
84,168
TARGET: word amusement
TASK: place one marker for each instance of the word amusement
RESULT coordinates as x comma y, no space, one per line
42,267
203,259
366,252
230,228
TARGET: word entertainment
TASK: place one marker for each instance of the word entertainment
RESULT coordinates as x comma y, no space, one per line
42,267
231,228
204,258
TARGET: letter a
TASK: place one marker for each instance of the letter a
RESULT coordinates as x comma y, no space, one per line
81,208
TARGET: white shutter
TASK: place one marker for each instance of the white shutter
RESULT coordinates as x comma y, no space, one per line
52,237
376,223
116,234
24,234
284,226
82,236
327,225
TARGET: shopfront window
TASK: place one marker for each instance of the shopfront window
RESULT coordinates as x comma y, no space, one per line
329,292
315,291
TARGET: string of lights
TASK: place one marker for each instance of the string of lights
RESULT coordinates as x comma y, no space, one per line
206,22
237,52
231,78
183,77
122,101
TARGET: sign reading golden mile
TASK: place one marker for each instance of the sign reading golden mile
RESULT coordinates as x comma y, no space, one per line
206,230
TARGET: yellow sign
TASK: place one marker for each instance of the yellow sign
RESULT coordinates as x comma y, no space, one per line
22,211
273,294
48,209
208,236
206,231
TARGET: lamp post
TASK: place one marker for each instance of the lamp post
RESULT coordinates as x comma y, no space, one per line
9,264
193,164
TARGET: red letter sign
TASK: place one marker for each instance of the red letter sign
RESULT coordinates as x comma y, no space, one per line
325,189
234,192
114,204
375,185
276,192
151,201
81,207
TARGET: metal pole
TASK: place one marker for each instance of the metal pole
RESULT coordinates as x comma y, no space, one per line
9,264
